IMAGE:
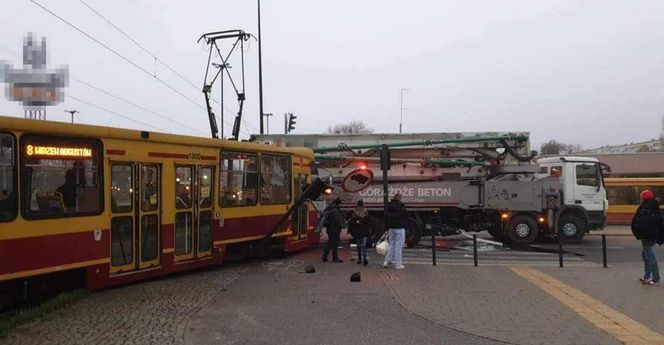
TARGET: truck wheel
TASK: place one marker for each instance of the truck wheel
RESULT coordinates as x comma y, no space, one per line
413,232
571,228
522,230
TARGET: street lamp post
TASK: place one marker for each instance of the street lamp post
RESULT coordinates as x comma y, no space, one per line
401,108
72,112
260,69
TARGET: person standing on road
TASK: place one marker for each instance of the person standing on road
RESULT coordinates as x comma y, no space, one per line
396,223
359,229
334,224
648,226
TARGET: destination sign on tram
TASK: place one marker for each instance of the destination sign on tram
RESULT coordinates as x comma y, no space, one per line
57,151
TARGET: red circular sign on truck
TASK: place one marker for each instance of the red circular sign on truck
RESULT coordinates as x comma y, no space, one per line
357,180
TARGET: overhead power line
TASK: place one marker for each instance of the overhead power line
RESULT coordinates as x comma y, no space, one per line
129,61
115,113
147,51
118,54
139,106
139,45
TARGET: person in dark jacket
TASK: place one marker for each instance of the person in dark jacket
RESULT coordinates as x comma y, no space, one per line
359,229
648,226
334,225
396,223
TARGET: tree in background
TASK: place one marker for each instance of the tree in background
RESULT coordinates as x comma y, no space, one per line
351,127
555,148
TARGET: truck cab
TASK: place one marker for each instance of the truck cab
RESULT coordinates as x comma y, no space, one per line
584,202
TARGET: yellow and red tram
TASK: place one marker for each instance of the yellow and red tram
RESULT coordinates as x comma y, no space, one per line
105,206
623,195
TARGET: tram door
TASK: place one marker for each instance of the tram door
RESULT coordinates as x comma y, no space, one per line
135,222
193,217
301,214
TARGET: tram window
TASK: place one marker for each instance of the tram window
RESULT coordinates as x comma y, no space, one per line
61,177
149,237
586,175
183,187
8,200
150,189
238,184
121,189
122,241
275,180
630,195
183,232
205,195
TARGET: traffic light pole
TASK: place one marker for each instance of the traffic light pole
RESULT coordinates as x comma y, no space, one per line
385,166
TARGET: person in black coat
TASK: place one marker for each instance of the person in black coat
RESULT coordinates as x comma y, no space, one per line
648,227
359,229
334,224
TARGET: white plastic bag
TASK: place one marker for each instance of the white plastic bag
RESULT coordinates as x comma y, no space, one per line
382,245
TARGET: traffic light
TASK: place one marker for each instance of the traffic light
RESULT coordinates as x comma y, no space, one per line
291,122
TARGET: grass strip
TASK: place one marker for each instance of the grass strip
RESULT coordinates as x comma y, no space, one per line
28,314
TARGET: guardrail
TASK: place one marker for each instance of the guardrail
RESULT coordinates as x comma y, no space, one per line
560,248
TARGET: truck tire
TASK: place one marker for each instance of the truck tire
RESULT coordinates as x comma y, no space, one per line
413,232
522,230
571,228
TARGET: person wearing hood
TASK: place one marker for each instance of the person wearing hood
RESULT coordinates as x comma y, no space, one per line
648,227
334,224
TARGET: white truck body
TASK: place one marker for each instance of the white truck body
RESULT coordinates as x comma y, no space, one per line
489,185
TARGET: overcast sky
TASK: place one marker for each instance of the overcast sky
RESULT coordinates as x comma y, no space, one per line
586,72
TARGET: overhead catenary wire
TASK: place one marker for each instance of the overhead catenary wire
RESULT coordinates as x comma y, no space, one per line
147,51
115,113
138,106
139,45
129,61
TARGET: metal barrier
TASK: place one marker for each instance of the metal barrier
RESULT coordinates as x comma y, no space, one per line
560,249
604,251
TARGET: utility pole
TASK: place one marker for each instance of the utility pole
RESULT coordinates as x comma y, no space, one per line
260,68
401,116
267,122
285,123
72,112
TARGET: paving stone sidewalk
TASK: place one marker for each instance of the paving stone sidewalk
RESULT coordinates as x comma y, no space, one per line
154,312
491,302
619,288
